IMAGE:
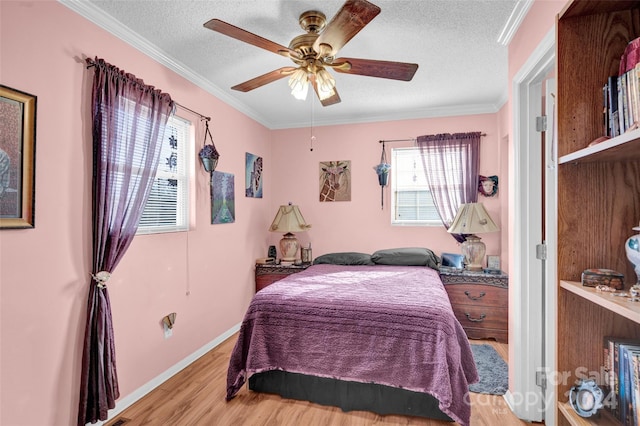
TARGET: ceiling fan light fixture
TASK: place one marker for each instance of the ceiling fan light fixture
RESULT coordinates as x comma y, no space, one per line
316,49
299,84
300,92
325,81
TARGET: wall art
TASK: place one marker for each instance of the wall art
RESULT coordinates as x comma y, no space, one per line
17,158
335,181
253,176
488,185
223,201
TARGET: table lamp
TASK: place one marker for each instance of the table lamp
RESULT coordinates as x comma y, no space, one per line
472,218
289,220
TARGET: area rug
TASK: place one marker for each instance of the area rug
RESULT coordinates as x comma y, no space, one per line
493,371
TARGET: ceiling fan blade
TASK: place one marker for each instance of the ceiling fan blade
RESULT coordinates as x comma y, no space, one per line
333,99
372,68
354,16
267,78
243,35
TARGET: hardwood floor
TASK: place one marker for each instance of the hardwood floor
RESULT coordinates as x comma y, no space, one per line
196,396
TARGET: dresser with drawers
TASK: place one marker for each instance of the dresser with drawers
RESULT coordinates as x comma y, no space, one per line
267,274
480,301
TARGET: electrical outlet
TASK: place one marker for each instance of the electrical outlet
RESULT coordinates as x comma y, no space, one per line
167,331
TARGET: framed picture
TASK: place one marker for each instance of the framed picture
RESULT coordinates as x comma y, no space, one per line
488,185
335,181
17,158
223,200
253,176
493,262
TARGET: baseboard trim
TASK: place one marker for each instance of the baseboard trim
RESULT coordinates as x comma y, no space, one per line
508,397
124,403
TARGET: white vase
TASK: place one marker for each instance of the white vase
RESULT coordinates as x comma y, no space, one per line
632,248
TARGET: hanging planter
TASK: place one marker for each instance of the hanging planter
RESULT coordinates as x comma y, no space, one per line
208,154
209,158
382,170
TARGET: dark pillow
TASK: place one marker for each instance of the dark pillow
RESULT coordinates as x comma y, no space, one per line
453,260
344,258
407,256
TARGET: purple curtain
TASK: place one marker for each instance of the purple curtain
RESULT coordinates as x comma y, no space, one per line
451,164
129,119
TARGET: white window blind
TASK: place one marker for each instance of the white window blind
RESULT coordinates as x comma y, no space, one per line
411,201
167,209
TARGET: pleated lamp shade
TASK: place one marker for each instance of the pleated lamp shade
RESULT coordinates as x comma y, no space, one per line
473,218
289,220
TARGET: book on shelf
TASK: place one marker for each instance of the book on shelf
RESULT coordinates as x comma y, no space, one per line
614,123
621,381
621,106
636,385
624,91
605,110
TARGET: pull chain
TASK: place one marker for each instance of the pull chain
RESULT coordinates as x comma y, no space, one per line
312,137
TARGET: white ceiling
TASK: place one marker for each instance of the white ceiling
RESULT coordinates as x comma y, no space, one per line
462,64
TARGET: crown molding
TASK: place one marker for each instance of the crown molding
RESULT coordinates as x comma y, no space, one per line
94,14
513,23
449,111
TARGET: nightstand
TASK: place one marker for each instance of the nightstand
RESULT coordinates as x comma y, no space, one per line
267,274
480,301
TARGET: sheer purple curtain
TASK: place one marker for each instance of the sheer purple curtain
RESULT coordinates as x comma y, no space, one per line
451,163
129,119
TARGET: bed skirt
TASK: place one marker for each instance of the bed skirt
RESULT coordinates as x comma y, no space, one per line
347,395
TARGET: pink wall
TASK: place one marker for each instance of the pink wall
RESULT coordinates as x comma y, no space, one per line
44,272
361,224
205,275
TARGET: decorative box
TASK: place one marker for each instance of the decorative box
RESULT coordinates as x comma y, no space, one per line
608,277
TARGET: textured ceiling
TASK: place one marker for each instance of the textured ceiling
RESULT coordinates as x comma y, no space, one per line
462,66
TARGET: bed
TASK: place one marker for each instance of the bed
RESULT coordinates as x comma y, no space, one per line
371,337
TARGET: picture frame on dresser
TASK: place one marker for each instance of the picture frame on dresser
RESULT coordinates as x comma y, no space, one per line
493,262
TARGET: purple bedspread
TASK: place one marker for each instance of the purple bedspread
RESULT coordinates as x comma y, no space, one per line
390,325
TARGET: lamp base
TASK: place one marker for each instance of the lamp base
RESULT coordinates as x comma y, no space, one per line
289,247
473,250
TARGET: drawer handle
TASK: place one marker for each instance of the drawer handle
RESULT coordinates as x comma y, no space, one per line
482,293
482,317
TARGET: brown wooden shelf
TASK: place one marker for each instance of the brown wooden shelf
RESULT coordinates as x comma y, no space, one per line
598,190
621,148
620,305
603,418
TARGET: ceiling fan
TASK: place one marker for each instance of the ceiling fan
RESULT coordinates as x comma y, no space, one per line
316,51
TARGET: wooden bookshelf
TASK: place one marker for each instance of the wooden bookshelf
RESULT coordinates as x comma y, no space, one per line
598,191
625,147
601,419
622,306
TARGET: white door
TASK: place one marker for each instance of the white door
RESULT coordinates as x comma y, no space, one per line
528,321
550,234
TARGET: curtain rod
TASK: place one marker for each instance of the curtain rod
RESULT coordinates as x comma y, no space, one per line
397,140
202,117
92,63
409,140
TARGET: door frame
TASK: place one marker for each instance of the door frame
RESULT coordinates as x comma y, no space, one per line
531,347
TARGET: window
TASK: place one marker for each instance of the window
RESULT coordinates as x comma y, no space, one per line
411,201
167,207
